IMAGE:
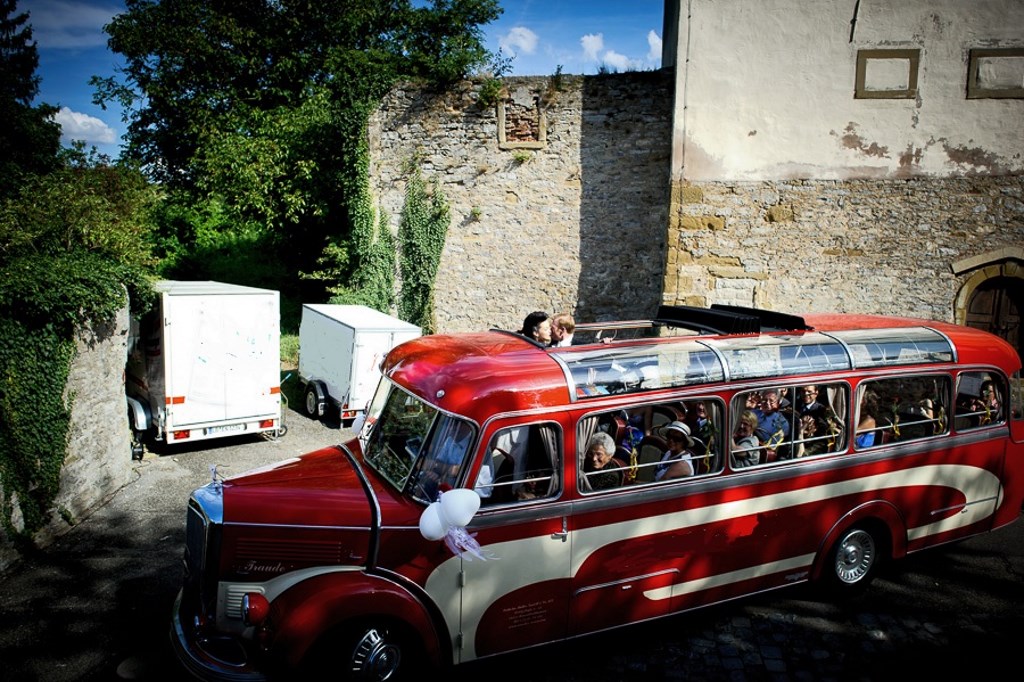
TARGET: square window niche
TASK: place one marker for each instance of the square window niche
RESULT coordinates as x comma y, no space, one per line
887,74
522,123
996,73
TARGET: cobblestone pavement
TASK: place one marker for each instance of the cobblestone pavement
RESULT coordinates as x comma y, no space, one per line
96,605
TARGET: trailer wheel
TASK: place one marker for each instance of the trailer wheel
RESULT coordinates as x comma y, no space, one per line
315,400
138,447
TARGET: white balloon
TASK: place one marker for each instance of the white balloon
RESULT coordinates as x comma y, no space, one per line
431,525
458,506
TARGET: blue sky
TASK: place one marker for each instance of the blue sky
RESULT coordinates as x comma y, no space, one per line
538,36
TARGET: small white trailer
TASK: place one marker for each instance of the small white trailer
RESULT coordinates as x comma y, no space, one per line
341,348
205,362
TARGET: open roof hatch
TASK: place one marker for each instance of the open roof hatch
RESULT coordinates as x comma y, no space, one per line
727,319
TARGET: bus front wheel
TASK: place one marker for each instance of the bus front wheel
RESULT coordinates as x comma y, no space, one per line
366,653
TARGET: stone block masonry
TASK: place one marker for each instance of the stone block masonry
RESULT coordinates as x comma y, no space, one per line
98,460
565,212
869,246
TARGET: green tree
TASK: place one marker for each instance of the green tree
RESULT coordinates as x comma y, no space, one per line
263,104
29,138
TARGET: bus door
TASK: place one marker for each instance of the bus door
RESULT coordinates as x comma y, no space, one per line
618,549
515,594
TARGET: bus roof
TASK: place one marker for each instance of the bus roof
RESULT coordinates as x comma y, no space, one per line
486,373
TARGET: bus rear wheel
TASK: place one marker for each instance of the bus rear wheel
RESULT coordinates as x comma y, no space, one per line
853,561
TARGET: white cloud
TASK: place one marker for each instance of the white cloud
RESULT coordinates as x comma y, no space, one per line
619,62
592,45
520,40
66,24
76,126
654,42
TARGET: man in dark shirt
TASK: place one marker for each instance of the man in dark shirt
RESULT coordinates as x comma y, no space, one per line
809,404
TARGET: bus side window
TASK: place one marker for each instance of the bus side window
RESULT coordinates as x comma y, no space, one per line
819,421
979,400
905,408
522,463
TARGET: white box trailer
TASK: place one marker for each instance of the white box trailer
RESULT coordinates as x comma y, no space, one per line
205,362
341,348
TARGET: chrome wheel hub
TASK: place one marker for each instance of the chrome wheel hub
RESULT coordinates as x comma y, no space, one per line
855,556
375,658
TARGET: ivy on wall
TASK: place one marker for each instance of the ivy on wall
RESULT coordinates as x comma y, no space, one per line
34,364
421,233
368,253
371,252
73,243
43,300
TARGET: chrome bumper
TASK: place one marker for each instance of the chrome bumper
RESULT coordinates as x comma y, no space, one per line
223,659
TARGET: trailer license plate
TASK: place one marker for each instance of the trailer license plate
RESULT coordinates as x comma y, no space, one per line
228,428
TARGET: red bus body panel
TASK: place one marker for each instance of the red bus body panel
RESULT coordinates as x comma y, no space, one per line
335,542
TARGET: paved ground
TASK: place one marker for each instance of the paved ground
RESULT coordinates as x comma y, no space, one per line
96,605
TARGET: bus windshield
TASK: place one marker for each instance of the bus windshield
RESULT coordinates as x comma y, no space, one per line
412,445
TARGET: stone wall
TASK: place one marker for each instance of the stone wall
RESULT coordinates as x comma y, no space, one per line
885,246
572,209
559,194
98,460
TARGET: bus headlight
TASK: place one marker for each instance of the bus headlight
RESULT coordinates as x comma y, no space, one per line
255,608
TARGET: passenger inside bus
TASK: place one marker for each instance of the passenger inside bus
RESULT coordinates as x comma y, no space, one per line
746,450
703,429
602,470
537,326
989,397
812,437
677,461
772,425
868,422
978,402
809,403
522,465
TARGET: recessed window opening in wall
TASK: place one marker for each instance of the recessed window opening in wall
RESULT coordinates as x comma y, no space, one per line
996,73
521,123
887,74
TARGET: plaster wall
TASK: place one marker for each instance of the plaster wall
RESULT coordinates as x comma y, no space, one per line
765,90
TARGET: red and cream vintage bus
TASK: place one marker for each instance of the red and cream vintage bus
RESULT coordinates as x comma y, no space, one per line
479,510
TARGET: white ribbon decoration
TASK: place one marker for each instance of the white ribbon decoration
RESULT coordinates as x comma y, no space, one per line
447,519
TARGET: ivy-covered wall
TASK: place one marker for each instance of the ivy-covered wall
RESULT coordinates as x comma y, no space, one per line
558,192
98,460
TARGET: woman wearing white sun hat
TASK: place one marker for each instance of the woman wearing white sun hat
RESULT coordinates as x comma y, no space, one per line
677,461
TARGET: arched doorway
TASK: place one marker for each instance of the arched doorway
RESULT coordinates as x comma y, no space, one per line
992,296
996,306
